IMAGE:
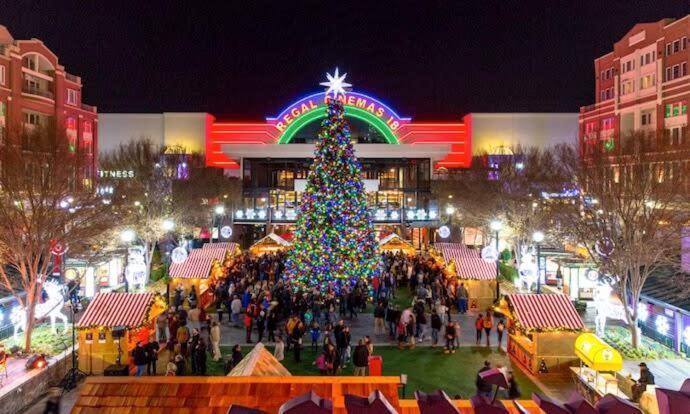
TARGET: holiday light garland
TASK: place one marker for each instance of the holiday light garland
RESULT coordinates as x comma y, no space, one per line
334,243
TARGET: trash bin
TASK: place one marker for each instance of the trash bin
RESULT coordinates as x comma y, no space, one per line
375,365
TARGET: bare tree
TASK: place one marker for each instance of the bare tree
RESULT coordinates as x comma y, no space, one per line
518,188
163,183
47,196
631,211
143,194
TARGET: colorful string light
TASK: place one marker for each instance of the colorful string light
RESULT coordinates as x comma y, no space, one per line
334,242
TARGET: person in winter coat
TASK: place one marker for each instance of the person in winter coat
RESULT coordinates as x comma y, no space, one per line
478,327
360,359
200,357
183,338
500,327
450,338
261,325
192,347
236,355
215,340
315,333
271,325
379,315
436,325
181,365
139,356
152,349
420,320
235,311
488,323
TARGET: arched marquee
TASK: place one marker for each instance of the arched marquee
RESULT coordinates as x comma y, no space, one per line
447,143
357,105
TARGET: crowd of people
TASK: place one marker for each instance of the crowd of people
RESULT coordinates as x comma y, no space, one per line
254,297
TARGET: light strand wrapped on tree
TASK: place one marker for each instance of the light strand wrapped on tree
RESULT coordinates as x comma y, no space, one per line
334,240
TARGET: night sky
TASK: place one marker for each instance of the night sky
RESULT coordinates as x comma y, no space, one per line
246,60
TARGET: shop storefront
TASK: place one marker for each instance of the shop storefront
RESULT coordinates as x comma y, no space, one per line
664,311
102,276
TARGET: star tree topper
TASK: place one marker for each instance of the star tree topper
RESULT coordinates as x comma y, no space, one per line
336,83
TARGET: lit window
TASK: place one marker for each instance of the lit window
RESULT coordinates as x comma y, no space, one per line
32,118
71,96
71,133
2,75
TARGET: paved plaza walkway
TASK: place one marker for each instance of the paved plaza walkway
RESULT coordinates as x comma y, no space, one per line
364,325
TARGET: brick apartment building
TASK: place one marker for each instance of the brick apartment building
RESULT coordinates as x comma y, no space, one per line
642,92
36,91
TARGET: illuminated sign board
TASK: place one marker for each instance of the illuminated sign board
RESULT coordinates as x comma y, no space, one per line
116,173
353,99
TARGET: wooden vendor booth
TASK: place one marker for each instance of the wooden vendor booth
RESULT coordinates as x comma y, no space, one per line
542,331
478,276
112,325
269,244
394,243
597,374
202,267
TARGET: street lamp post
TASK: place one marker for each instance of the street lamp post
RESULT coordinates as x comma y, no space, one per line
538,237
496,226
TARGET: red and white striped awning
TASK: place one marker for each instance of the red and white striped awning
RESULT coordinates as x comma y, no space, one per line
116,309
212,253
545,311
225,245
198,267
475,269
456,251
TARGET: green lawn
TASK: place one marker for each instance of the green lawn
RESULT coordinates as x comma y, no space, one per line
427,368
43,340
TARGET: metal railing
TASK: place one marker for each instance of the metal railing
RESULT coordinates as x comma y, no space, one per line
32,90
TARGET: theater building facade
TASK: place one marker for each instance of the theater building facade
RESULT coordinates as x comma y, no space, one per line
400,156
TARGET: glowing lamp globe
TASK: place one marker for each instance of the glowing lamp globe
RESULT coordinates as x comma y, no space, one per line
219,210
226,232
496,225
168,225
128,236
538,237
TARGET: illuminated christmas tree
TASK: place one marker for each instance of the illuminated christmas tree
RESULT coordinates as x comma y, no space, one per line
334,242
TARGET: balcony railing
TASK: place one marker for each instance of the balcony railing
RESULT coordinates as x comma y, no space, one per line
32,90
89,108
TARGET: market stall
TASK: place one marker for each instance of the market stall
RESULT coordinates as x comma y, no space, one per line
478,275
112,325
542,330
269,244
394,243
599,363
201,268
